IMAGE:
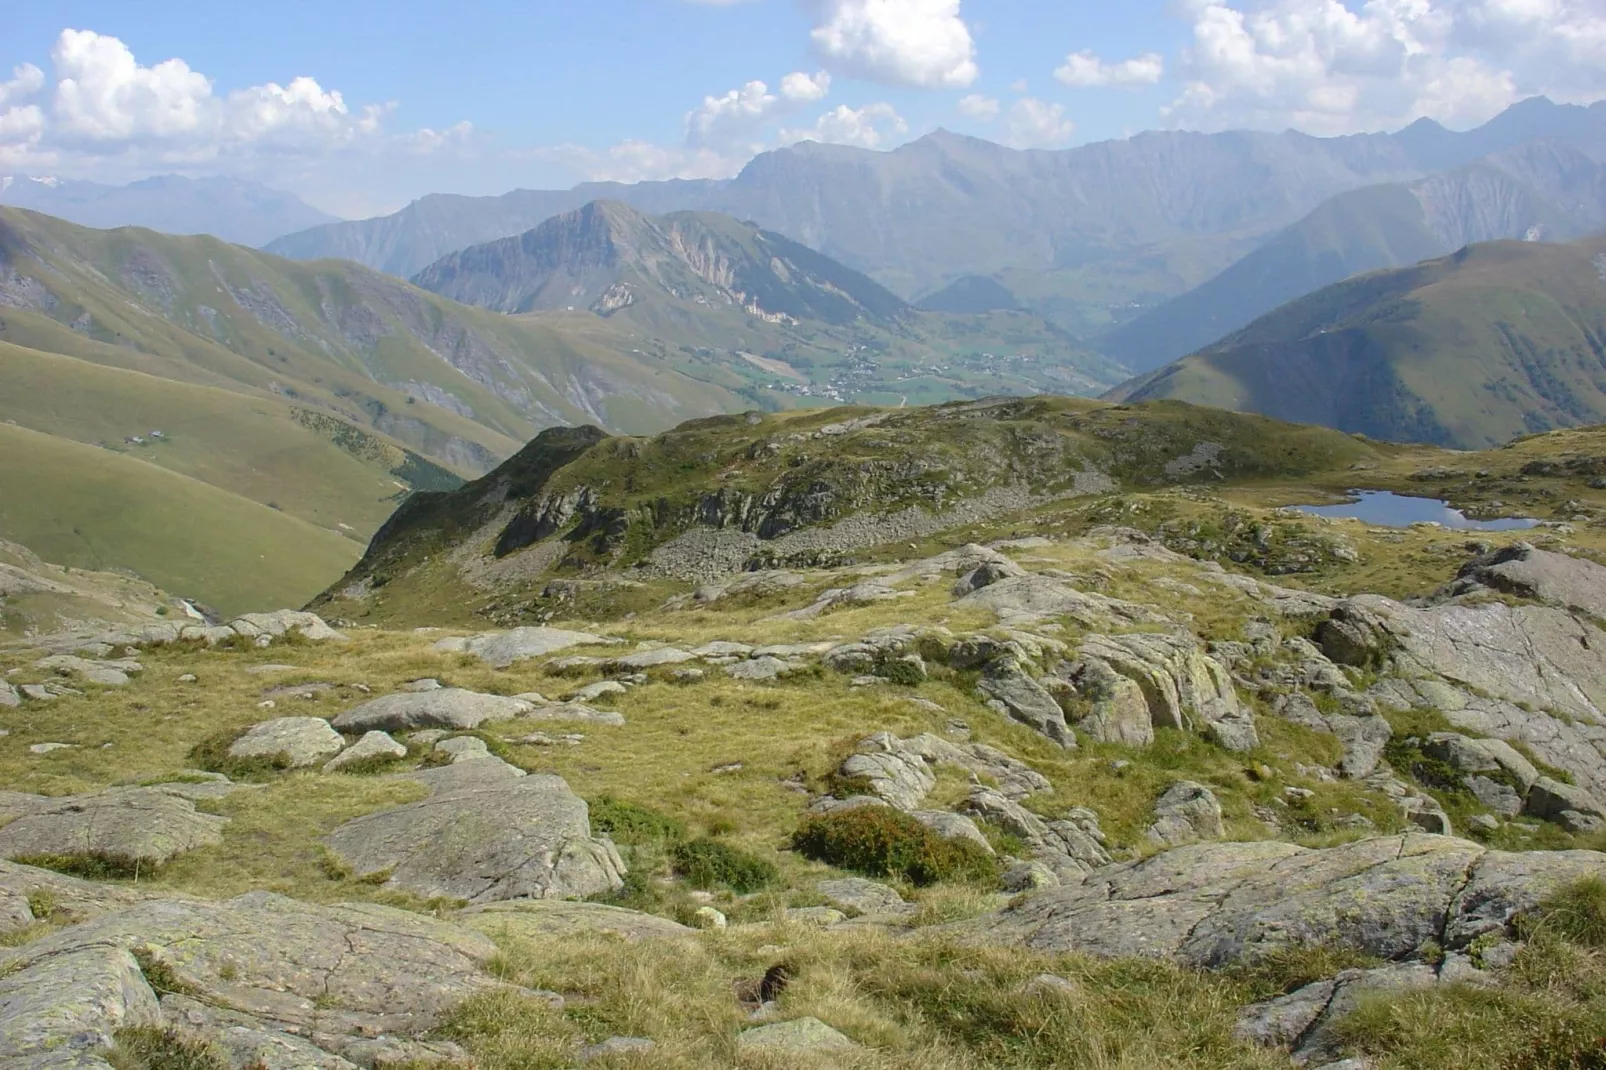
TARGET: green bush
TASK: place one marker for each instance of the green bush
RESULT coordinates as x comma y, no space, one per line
882,842
212,754
627,823
708,863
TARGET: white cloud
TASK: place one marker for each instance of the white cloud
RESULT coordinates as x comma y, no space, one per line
977,106
869,127
1084,69
26,80
1036,124
1325,67
803,88
920,43
738,118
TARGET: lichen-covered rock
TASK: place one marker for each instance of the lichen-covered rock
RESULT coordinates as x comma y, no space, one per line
557,917
1212,904
1186,812
800,1036
502,649
299,741
1556,579
1549,798
373,745
1183,686
280,621
486,833
1070,845
901,771
449,707
62,1010
1006,683
358,970
146,826
71,899
107,673
863,896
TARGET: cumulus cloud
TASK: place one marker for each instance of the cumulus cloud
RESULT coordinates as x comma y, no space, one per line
869,127
1036,124
803,88
26,80
919,43
1084,69
978,106
738,117
1325,67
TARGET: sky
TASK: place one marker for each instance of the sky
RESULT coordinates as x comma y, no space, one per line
360,105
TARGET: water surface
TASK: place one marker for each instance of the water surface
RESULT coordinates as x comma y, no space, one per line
1390,510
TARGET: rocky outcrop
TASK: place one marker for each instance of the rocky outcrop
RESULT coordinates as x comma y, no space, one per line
447,707
1181,685
502,649
1012,691
323,983
1212,904
901,771
1070,845
1526,673
1571,583
57,896
373,746
486,833
1301,1022
1184,813
125,826
297,742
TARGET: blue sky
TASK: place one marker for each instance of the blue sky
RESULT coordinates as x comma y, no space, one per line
360,106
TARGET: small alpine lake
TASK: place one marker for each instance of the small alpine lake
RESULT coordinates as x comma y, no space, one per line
1387,509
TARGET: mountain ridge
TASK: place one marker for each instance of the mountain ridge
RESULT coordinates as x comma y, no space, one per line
1497,340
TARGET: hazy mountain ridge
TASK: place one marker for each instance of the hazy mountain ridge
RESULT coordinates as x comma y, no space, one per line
1548,189
599,256
1089,228
232,209
1498,340
796,321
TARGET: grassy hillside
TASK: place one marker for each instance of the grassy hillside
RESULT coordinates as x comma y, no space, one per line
77,505
459,385
309,465
1470,350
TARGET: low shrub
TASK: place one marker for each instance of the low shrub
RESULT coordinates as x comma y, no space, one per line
882,842
212,754
709,863
627,823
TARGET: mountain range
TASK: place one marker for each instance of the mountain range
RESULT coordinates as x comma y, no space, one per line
233,209
1542,190
1087,237
1497,340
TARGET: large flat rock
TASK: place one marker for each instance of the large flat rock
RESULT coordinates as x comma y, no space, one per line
144,825
352,971
502,649
486,833
1210,905
447,707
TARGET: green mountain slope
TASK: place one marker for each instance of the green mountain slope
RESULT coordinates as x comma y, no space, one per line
1544,189
459,385
794,322
77,505
1470,350
302,461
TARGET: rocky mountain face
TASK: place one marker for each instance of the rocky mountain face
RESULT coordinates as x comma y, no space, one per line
606,256
1546,190
1041,707
1470,350
1071,234
228,208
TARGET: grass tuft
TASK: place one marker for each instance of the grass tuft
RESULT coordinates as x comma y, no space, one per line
710,863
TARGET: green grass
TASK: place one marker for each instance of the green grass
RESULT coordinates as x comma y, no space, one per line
90,508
